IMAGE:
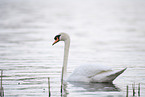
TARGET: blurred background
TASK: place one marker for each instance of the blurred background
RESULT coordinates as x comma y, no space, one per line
107,32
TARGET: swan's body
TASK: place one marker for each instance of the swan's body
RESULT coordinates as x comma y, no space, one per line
94,73
86,73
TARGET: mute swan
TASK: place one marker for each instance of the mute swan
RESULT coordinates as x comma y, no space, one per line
85,73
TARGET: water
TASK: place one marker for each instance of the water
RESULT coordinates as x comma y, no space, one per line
108,32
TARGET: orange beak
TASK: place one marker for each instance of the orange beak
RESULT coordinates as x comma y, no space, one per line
56,41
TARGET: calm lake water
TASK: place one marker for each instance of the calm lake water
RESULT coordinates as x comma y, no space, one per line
107,32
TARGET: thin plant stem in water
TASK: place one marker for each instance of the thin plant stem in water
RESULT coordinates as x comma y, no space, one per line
127,91
139,90
133,88
1,88
1,78
49,92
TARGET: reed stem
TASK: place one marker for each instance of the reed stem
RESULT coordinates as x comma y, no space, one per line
1,78
133,88
49,92
1,88
127,91
139,90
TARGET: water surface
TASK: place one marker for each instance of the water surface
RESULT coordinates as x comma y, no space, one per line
107,32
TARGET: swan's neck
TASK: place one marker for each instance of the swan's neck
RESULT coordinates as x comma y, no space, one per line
66,53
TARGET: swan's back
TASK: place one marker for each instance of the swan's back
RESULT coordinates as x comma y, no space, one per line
93,73
85,72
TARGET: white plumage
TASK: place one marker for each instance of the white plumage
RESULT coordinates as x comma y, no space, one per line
94,73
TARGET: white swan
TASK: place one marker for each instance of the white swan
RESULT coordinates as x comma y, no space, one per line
86,73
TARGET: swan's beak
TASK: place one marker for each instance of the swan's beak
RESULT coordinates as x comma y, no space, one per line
57,40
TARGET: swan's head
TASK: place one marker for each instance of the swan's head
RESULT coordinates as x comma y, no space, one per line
61,37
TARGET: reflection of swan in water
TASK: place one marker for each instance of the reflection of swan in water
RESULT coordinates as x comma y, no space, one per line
86,73
92,87
79,87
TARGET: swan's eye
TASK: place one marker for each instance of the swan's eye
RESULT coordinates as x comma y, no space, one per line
57,37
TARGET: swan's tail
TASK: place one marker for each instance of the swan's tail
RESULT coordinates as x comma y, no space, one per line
115,74
107,76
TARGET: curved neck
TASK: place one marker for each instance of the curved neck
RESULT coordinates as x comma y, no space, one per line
65,59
